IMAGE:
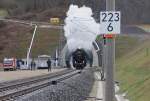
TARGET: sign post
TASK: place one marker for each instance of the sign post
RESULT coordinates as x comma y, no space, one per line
109,26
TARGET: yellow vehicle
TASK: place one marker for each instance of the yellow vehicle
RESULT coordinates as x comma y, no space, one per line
54,21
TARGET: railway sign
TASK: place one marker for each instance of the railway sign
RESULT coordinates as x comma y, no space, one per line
110,22
54,21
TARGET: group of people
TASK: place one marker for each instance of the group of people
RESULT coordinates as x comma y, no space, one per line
33,64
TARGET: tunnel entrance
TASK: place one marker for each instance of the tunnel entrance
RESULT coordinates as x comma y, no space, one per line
95,56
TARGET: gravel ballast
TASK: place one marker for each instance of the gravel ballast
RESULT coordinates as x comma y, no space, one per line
76,88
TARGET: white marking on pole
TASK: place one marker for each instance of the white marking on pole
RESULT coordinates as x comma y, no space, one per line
31,43
56,58
97,46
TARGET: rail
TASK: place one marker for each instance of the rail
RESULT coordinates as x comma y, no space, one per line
15,90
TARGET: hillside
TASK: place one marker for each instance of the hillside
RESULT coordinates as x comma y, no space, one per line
133,11
132,69
16,37
15,40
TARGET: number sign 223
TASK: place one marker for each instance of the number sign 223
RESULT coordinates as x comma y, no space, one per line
110,22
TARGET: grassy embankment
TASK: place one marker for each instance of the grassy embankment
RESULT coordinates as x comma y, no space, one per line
133,67
46,41
3,13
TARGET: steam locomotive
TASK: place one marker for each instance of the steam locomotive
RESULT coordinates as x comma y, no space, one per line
79,59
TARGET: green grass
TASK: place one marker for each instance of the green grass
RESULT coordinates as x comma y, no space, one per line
46,41
125,44
3,13
133,70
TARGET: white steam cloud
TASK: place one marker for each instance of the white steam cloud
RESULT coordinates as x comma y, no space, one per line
81,28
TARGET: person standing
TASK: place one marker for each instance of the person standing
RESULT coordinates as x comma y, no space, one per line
33,65
18,64
49,64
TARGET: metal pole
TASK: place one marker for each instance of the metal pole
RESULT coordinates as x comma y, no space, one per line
110,58
104,61
98,48
110,5
56,58
31,43
61,45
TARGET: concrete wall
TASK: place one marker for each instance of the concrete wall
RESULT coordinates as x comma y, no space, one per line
65,50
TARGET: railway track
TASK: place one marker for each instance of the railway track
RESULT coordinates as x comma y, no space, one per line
10,91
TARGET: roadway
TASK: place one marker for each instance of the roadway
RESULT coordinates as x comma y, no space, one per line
33,23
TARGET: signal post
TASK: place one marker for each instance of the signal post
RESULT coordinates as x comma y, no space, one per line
109,26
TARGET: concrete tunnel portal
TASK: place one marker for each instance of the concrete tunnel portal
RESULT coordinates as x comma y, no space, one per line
94,55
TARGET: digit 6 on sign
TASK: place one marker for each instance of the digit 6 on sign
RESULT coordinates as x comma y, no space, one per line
110,28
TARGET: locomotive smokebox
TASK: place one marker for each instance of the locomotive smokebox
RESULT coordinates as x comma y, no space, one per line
79,58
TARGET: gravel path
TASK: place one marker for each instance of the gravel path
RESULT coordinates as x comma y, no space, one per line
75,89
